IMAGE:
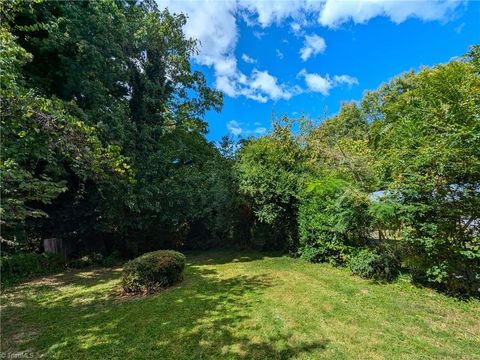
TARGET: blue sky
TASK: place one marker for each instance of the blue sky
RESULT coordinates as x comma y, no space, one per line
311,55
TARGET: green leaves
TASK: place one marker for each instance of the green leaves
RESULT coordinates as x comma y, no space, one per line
426,143
42,145
271,171
415,141
119,103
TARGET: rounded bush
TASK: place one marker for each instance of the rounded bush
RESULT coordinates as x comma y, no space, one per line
153,270
371,264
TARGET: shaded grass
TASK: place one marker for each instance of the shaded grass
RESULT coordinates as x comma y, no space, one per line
238,305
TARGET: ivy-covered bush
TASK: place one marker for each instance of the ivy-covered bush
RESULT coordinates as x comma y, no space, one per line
18,267
373,264
153,270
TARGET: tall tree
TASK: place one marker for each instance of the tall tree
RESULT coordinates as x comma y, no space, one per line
270,171
123,68
426,128
43,146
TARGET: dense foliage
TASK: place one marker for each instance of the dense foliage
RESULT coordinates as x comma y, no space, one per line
153,270
95,259
22,266
270,176
392,179
103,132
44,148
103,147
332,220
372,264
426,133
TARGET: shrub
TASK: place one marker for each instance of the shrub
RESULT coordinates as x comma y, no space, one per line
153,270
333,252
332,220
454,273
372,264
441,253
112,260
22,266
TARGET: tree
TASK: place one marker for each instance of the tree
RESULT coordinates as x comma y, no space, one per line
270,172
122,68
340,147
427,127
333,212
42,146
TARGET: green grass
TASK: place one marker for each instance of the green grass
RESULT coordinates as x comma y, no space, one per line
235,305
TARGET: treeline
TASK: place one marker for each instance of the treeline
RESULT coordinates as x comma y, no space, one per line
103,146
103,140
390,183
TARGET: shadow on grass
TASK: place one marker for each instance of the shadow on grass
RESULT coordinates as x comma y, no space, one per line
204,317
225,256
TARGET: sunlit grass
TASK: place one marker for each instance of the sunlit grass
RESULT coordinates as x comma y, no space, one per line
238,305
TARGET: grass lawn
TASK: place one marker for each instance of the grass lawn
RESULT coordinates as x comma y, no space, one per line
235,305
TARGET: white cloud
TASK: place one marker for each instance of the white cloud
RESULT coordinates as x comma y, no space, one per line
312,46
248,59
260,86
279,54
234,128
345,79
213,23
316,82
245,128
323,84
335,13
266,13
223,83
295,27
265,84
